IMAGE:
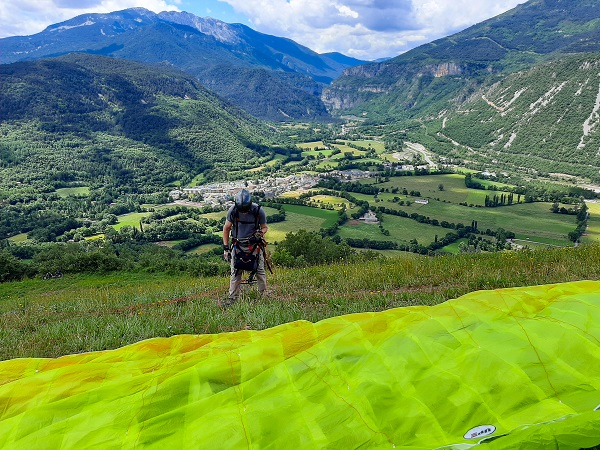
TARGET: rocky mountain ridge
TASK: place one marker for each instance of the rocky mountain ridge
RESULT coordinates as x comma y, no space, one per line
221,55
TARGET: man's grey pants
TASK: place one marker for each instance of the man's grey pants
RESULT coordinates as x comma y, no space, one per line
236,278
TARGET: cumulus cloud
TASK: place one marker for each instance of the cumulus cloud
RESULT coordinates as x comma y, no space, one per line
367,29
25,17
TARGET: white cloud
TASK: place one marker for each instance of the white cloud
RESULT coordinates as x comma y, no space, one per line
347,12
367,29
25,17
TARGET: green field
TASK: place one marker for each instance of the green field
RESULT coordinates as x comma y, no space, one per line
328,164
401,230
18,238
453,248
311,145
532,221
203,249
75,191
215,215
454,191
346,149
293,223
131,219
337,202
378,146
592,234
301,218
275,159
317,152
327,217
529,221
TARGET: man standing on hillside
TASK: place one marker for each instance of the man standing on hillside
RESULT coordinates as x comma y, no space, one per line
243,244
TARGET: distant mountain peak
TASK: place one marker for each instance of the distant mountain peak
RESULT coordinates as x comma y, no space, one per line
233,60
221,31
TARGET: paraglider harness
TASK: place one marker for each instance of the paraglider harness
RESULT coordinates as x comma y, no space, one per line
246,251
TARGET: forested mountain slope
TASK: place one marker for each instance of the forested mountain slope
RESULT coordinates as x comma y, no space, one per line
221,55
435,76
545,118
98,120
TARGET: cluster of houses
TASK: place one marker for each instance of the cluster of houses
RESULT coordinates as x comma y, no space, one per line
217,194
220,193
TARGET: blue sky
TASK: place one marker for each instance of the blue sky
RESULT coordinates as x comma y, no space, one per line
365,29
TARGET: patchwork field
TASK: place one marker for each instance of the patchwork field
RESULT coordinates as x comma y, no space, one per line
454,189
534,224
532,221
592,234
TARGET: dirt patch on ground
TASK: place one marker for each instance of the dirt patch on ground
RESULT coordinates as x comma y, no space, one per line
353,223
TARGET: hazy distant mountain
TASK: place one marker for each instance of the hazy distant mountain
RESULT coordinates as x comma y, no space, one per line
201,47
433,77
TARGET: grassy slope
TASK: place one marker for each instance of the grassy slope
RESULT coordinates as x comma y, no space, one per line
85,313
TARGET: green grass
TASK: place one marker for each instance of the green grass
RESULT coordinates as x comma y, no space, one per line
96,312
328,164
274,160
202,249
453,248
378,146
346,149
328,217
22,237
317,152
131,219
311,145
300,218
592,234
215,215
75,191
331,200
401,230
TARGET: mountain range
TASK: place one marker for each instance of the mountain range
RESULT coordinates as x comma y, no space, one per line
271,77
518,91
436,76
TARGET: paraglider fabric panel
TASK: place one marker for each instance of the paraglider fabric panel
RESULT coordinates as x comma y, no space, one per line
510,368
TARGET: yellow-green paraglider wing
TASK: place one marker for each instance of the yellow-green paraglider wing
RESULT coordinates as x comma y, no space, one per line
513,368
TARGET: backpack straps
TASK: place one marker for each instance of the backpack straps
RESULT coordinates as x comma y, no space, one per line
256,218
236,219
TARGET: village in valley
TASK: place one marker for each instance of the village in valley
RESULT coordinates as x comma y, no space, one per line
220,194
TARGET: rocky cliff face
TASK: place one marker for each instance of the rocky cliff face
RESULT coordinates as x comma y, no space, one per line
338,99
445,69
363,83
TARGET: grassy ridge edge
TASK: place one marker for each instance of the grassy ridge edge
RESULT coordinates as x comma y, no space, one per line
50,318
